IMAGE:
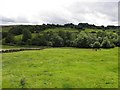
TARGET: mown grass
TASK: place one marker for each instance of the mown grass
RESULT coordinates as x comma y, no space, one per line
61,68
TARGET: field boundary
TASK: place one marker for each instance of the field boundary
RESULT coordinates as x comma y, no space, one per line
22,49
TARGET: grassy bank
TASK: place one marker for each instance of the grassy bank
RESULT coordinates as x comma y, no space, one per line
61,68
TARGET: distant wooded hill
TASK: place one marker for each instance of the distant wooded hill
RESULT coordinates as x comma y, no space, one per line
83,35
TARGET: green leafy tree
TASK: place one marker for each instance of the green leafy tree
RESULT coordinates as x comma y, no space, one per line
118,42
106,43
83,40
9,38
49,43
101,34
26,35
100,39
96,44
16,30
40,40
57,41
118,32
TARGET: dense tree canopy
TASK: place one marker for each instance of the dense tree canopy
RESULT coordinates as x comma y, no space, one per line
99,37
10,38
26,35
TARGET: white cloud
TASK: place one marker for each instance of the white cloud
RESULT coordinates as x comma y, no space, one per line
58,11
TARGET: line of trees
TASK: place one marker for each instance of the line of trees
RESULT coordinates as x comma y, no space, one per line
18,29
100,39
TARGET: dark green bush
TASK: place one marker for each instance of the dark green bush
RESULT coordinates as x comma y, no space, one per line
107,44
10,38
26,35
96,45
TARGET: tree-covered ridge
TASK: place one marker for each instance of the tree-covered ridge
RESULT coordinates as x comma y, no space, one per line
82,35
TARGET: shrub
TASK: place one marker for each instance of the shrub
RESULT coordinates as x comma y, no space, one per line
118,42
101,34
49,43
96,45
100,39
57,41
107,44
83,40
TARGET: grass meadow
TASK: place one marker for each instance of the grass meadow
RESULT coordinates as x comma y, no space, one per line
61,68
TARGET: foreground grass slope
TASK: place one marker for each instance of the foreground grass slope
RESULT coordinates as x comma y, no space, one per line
61,68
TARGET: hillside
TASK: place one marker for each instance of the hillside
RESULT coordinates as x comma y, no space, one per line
61,68
72,57
68,35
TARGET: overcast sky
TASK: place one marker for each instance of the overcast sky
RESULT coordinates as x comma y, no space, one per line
98,12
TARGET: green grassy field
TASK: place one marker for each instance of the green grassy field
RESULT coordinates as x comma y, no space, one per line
5,29
61,68
19,37
61,29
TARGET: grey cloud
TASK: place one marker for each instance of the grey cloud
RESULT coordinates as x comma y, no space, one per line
79,9
119,13
51,17
56,20
5,20
21,20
